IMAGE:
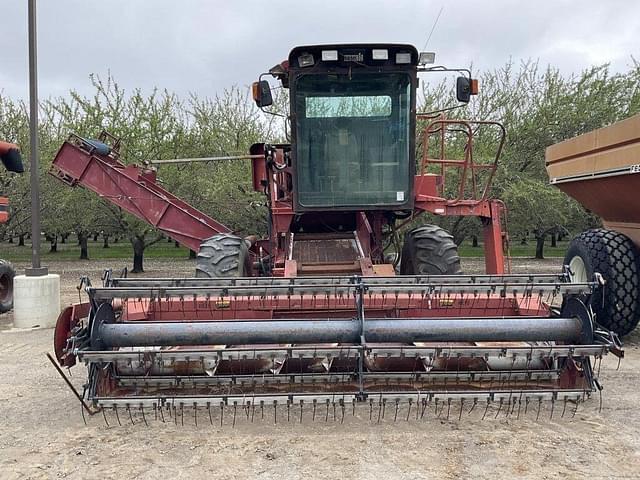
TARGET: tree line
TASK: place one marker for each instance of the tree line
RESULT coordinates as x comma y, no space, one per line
538,107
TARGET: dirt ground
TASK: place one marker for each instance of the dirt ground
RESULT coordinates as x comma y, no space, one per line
42,434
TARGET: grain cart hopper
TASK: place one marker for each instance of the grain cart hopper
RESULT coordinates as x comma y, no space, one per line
601,170
312,320
12,161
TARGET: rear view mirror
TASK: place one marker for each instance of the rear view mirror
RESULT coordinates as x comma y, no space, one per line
262,93
465,87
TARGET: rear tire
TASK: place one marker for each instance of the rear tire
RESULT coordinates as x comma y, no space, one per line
223,255
7,272
616,258
429,250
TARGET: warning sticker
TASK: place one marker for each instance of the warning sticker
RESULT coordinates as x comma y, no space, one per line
400,196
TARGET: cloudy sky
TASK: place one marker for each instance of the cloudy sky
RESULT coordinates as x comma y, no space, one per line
204,46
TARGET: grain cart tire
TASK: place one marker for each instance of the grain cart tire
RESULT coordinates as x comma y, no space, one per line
429,250
223,255
616,258
6,286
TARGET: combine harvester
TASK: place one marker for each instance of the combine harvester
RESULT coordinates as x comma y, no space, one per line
313,320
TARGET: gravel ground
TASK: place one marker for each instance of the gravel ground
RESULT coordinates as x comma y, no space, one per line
42,434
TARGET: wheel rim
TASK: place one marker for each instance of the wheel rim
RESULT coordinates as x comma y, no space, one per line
578,270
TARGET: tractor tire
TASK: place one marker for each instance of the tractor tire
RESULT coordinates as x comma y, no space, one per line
7,273
616,258
429,250
223,255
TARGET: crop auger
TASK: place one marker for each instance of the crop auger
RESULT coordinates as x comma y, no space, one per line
315,319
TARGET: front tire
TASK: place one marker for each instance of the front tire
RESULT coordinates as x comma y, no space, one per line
429,250
7,273
223,255
617,303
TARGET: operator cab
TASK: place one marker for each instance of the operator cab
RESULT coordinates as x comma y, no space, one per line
352,112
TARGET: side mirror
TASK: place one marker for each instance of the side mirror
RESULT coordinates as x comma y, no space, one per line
465,87
262,93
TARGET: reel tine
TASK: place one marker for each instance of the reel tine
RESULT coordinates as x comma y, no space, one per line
144,418
448,407
553,404
209,410
315,404
160,410
275,412
564,408
235,408
499,407
84,419
195,413
519,405
221,413
104,415
395,417
130,416
115,408
461,406
342,408
539,405
485,410
175,415
526,404
326,417
301,405
475,402
424,407
409,410
288,410
182,414
575,410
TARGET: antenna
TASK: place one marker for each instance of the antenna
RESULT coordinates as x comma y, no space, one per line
433,28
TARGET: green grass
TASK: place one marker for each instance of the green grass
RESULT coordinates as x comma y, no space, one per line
163,249
516,250
71,251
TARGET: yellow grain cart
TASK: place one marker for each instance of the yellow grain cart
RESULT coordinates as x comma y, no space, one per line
601,170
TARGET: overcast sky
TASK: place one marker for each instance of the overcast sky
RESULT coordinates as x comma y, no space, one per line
204,46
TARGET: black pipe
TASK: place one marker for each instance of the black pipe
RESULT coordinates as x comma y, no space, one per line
519,329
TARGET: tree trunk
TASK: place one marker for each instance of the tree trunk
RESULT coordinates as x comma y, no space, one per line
10,238
84,251
540,246
474,241
53,240
95,237
63,238
21,240
192,255
138,253
105,239
176,244
554,240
